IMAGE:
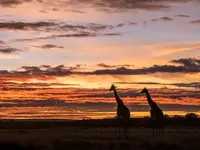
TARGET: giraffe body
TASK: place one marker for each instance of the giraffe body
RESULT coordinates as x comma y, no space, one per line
156,113
123,113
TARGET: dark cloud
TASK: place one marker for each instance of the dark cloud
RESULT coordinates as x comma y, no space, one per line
170,107
8,50
47,26
121,4
49,46
103,65
55,9
103,5
92,106
111,34
33,103
120,25
126,24
188,65
43,11
88,27
78,35
163,19
26,25
188,62
183,16
150,70
77,11
14,86
195,85
60,70
132,23
148,83
9,3
195,22
192,85
2,42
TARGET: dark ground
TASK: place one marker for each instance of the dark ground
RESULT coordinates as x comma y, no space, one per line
93,135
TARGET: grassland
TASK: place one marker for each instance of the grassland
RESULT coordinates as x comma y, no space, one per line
69,135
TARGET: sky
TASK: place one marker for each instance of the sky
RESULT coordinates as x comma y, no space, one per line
59,58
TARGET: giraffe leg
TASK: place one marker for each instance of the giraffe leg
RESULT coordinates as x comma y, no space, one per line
119,135
158,130
153,130
162,131
124,131
127,131
120,126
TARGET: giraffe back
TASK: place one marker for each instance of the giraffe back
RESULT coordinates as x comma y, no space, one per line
157,114
123,112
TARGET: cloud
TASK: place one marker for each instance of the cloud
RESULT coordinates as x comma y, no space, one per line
195,22
195,85
2,42
9,50
183,16
47,26
150,70
14,86
132,23
49,46
126,24
9,3
188,62
59,70
55,9
120,25
77,11
103,65
163,19
120,5
43,11
88,27
26,25
102,5
78,35
68,30
91,106
189,65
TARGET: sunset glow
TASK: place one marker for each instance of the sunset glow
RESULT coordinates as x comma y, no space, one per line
59,58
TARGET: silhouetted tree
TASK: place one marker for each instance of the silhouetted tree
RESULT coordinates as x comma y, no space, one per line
191,116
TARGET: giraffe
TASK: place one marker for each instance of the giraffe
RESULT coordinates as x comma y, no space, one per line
157,116
123,113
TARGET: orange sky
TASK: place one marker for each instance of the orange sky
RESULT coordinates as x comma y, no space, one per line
59,58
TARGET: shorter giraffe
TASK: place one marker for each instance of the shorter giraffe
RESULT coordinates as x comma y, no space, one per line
157,116
123,113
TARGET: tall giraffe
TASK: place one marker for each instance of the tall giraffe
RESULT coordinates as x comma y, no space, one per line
123,113
157,116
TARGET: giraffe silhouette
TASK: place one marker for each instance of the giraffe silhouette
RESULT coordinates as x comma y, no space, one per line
123,113
157,116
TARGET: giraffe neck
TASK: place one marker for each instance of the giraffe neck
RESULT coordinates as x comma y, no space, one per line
150,101
118,100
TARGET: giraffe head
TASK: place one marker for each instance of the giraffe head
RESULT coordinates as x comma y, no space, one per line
144,90
112,87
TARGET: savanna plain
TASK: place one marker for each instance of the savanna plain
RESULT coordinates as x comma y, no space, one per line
180,134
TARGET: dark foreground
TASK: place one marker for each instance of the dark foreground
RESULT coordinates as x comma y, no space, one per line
64,135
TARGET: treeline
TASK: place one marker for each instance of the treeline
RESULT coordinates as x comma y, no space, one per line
190,119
